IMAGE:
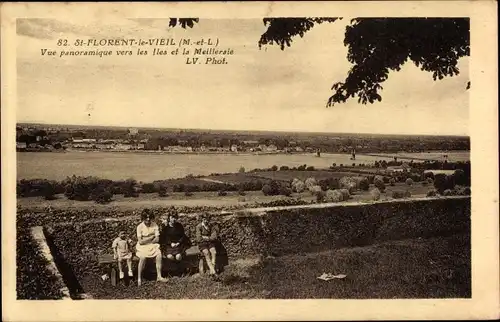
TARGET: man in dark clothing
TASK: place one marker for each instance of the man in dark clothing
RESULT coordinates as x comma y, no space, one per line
174,239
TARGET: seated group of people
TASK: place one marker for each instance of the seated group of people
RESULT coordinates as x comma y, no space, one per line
170,239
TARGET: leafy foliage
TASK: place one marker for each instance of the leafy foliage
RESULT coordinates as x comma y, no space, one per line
281,30
377,46
183,22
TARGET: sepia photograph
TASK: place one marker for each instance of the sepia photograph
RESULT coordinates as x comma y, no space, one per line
277,157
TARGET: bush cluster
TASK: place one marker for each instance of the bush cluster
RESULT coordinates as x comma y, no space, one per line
398,194
275,188
379,183
337,195
38,187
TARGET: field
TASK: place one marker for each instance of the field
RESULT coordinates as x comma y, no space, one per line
150,167
252,198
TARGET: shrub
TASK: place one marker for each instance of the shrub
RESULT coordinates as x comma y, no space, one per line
378,182
241,192
80,188
429,175
329,183
275,187
466,191
363,184
162,192
241,170
460,178
222,193
267,190
149,188
386,179
310,168
284,202
349,183
298,186
448,192
274,168
101,195
345,194
323,184
320,196
310,182
284,168
430,180
443,182
375,194
130,189
285,191
188,193
415,177
333,196
409,181
49,192
392,182
431,193
407,194
315,190
37,187
398,194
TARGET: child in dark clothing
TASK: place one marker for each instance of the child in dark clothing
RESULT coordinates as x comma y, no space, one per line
174,239
207,235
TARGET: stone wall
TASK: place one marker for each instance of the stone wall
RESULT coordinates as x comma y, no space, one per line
281,230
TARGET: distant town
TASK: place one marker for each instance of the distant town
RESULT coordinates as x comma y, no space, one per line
59,138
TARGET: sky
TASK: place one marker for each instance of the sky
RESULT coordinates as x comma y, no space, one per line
259,89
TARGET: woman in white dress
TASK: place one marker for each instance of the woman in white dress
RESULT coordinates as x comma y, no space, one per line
148,235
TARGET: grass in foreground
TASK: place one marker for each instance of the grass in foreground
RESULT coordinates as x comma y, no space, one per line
418,268
33,280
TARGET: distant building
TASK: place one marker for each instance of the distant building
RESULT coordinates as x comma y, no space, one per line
80,140
133,131
123,146
105,146
395,169
234,148
434,172
21,145
83,145
251,142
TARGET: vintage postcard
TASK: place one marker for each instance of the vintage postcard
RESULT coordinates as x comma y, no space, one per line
249,161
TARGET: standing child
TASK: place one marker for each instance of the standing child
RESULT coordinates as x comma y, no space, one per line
122,251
